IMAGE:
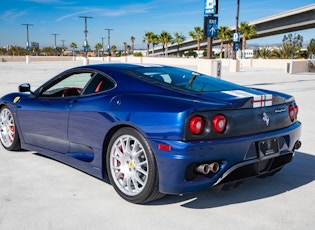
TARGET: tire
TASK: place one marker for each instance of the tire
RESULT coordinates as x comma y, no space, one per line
131,167
9,135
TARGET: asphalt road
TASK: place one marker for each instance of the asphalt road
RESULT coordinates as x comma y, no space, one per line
38,193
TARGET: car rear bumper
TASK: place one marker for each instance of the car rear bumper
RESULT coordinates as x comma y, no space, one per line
238,158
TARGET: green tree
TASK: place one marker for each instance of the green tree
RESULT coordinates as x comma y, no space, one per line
295,40
49,51
132,39
35,50
125,48
178,39
165,39
290,48
311,48
113,50
73,46
155,41
98,47
128,48
137,54
3,51
264,52
197,35
190,53
148,37
17,50
285,51
224,34
248,31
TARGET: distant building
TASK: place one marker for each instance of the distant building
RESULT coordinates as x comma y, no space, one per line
249,53
35,45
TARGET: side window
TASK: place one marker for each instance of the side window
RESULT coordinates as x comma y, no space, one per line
99,83
69,85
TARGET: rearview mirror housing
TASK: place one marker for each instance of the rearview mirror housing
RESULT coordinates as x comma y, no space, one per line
26,87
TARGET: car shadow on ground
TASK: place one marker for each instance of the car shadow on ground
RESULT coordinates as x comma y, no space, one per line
299,172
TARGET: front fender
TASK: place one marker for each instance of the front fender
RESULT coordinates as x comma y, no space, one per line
12,100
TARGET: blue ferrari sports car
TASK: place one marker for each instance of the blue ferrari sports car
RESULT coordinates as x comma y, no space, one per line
153,129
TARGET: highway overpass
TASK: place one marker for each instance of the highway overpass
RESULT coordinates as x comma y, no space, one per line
289,21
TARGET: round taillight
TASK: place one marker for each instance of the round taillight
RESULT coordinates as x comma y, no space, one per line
293,111
196,125
219,123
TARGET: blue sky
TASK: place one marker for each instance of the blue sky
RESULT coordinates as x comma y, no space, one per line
127,18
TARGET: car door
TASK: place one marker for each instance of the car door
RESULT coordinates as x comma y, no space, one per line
44,118
44,122
89,120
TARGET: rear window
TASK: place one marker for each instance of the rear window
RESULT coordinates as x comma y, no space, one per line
179,78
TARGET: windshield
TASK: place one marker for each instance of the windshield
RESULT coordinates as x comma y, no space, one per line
183,79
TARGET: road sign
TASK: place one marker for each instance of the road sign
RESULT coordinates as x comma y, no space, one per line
236,37
211,7
235,46
212,26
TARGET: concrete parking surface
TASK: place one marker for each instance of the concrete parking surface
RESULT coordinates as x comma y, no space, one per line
38,193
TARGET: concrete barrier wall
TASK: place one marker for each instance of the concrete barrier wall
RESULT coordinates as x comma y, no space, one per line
34,58
12,59
206,66
51,58
270,63
298,66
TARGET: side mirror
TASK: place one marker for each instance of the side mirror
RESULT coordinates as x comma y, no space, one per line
26,87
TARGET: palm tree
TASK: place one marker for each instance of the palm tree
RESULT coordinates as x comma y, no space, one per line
148,37
197,35
113,50
285,51
17,50
264,52
73,47
3,51
125,48
132,39
13,50
311,48
155,41
224,34
165,39
248,31
98,46
48,50
35,50
128,49
178,39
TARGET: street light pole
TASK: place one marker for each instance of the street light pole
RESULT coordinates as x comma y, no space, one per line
63,42
27,36
236,27
108,47
55,46
102,45
63,46
85,33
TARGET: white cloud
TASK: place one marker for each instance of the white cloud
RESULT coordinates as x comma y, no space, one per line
50,1
11,15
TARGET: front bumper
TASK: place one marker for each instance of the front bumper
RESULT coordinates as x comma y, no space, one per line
239,158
